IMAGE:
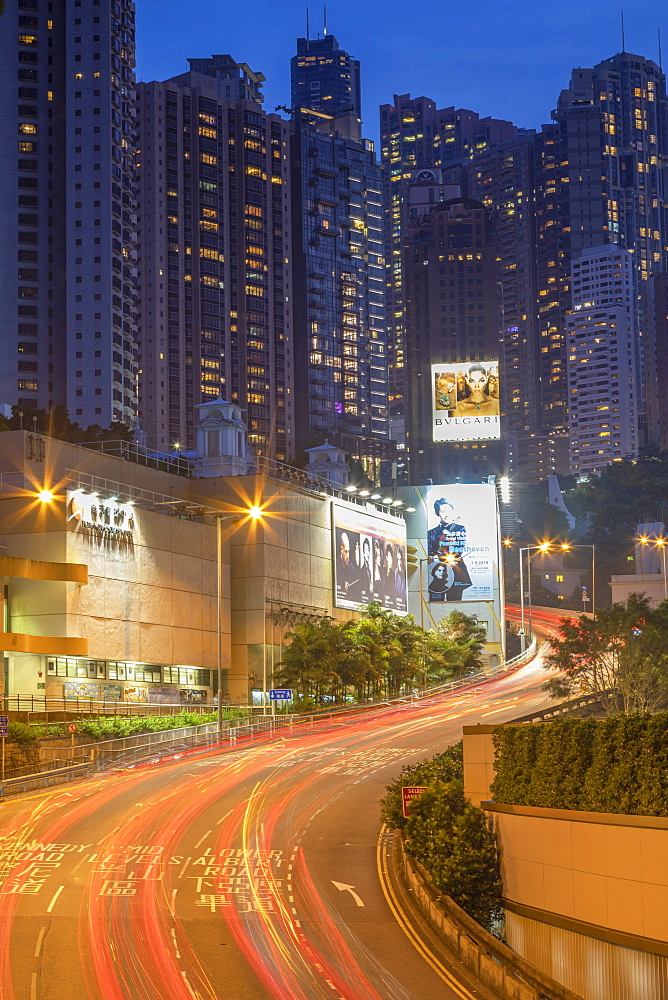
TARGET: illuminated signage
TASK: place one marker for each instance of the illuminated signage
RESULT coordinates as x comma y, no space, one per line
461,542
466,401
103,517
369,560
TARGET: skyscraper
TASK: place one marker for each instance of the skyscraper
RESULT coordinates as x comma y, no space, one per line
215,237
68,207
602,364
416,136
325,78
340,331
502,178
453,315
599,171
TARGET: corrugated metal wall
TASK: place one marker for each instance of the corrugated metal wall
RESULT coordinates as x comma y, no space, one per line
593,969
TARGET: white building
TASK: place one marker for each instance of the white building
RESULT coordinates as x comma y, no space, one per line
602,358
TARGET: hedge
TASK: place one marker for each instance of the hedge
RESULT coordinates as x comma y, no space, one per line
117,727
615,765
448,836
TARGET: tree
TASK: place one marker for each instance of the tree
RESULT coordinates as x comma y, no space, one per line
622,656
446,767
56,423
467,635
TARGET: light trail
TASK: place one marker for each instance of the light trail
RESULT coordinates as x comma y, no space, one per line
164,911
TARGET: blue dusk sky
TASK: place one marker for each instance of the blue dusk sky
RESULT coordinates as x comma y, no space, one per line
508,60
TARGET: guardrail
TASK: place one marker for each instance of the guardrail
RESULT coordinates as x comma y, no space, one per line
31,704
103,753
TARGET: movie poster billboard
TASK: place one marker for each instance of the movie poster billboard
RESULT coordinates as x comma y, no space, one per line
466,401
369,560
461,543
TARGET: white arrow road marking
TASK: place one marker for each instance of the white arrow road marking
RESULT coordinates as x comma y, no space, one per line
348,888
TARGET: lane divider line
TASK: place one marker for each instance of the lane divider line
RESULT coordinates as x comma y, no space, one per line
403,919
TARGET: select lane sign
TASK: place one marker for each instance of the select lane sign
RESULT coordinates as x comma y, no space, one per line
408,793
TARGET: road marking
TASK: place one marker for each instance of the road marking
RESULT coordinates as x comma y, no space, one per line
218,822
56,895
404,922
39,942
33,987
342,887
202,839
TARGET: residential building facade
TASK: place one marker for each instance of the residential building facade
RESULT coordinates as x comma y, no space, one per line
325,78
453,314
68,208
340,323
602,364
215,234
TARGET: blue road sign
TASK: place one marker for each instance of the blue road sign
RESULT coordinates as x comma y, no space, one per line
280,694
4,725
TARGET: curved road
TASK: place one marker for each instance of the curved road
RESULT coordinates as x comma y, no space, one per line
245,874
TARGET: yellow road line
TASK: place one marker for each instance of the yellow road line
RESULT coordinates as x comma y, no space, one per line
403,920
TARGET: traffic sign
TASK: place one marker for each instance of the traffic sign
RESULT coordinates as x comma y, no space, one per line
280,694
4,725
72,728
408,794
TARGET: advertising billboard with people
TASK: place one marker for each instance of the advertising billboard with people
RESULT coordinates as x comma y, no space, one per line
461,542
369,560
466,401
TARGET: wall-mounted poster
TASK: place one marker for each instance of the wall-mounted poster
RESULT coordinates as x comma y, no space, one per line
466,401
111,692
461,542
80,689
369,560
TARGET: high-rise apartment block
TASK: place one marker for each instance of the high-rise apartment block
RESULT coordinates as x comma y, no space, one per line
453,315
325,78
67,208
602,348
215,236
340,330
425,146
599,176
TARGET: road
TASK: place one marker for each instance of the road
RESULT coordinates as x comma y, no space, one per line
246,874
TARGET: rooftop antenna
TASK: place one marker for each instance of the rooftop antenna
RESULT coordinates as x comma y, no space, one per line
658,31
324,15
308,36
623,38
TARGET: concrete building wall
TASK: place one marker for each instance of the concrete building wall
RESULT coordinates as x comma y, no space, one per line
585,893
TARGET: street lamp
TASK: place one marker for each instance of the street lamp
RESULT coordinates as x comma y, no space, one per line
566,547
543,547
661,543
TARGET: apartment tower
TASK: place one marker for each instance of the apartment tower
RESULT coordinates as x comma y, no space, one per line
68,208
215,236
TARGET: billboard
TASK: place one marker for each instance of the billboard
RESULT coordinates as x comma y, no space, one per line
461,543
466,401
369,560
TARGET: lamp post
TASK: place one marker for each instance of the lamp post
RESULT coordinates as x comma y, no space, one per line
543,547
566,547
661,542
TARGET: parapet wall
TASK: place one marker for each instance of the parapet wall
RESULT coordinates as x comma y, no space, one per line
580,884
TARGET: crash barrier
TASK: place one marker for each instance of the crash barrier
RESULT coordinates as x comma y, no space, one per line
116,752
490,961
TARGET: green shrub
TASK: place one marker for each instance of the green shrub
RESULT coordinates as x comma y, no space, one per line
446,766
21,733
614,765
448,836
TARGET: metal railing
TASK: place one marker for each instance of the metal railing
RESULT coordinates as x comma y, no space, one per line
90,757
32,704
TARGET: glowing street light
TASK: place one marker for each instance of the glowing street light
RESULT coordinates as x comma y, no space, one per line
661,542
